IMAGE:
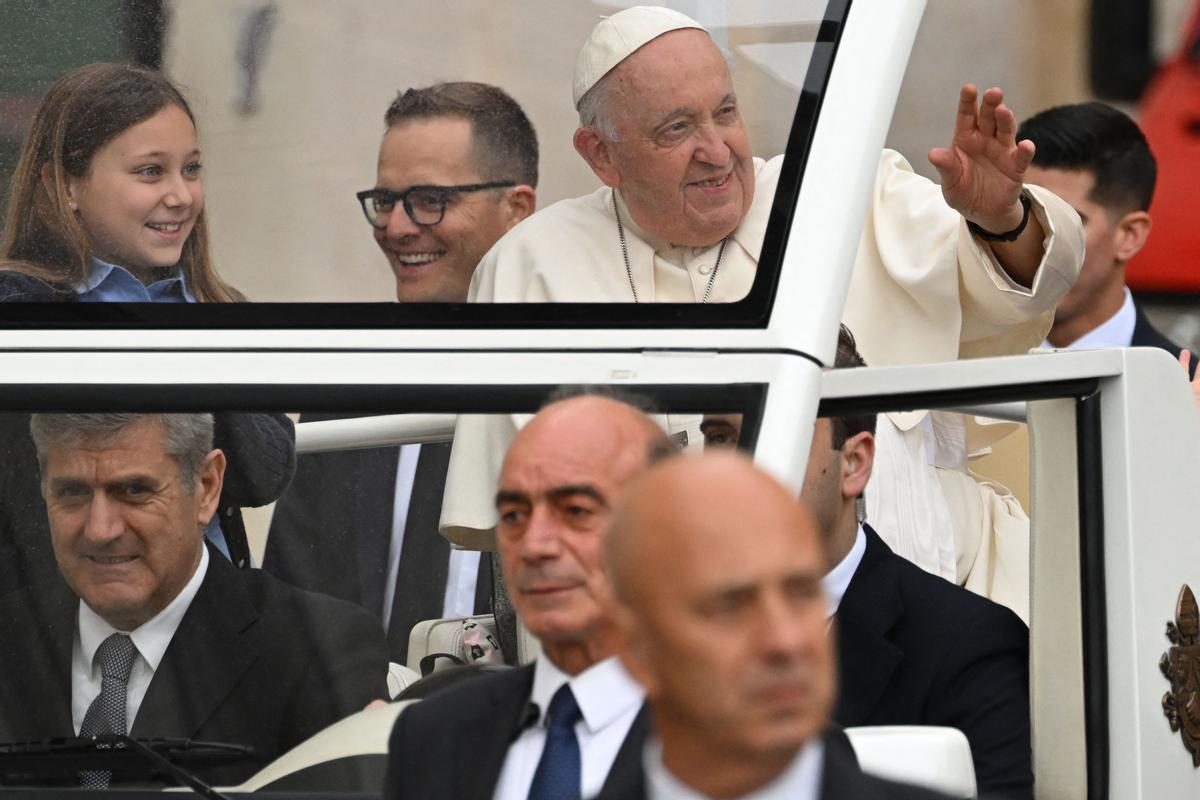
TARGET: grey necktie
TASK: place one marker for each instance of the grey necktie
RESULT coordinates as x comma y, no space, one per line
106,714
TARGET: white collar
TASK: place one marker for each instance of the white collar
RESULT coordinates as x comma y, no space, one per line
801,780
1116,331
604,691
837,580
151,637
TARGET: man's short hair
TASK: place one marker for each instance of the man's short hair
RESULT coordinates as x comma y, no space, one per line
187,438
845,427
503,143
1101,140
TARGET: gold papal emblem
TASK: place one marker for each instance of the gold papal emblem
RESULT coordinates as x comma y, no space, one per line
1181,666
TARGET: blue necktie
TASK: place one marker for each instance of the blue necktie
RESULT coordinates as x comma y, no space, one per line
557,775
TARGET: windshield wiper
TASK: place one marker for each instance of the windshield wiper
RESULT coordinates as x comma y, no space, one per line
123,755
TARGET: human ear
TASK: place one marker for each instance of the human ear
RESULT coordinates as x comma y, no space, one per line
1132,231
72,187
519,203
595,151
858,457
212,478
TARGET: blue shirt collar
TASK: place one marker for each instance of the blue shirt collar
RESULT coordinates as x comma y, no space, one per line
109,283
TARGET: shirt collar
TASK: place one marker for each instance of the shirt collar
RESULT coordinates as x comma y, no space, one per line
604,691
837,580
151,637
1116,331
801,780
111,283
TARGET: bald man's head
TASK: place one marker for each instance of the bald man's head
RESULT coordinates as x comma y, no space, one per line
559,483
716,570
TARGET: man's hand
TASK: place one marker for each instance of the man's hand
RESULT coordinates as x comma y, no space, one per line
984,166
982,171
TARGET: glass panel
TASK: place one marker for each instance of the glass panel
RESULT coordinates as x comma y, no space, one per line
109,540
290,132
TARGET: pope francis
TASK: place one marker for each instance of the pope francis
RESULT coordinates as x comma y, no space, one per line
971,268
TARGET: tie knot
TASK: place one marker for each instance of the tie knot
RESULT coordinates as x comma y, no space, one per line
116,657
564,711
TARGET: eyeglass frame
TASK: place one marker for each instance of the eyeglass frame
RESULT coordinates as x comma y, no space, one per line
447,192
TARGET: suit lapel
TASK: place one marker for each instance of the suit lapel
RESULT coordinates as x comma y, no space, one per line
628,762
479,756
841,776
370,509
216,642
867,658
37,658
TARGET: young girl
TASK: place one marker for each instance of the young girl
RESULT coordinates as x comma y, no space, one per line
107,201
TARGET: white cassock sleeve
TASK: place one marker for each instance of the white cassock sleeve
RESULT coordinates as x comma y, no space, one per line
925,290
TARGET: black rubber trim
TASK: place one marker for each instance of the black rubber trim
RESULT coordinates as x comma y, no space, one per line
1093,594
950,398
753,311
747,398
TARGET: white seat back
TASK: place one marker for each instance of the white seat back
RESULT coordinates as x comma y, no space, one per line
364,733
400,678
923,755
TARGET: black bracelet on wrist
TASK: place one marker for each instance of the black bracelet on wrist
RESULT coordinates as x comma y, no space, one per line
1012,235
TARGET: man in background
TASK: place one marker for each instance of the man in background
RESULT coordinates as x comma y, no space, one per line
1096,158
716,572
571,722
457,168
146,630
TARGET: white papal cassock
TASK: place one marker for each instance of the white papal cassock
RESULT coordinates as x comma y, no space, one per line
923,290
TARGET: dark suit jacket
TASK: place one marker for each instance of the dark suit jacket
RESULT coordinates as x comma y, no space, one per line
331,529
914,649
331,532
254,662
841,779
1146,335
453,744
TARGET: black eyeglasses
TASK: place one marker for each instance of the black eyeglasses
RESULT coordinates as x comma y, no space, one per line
425,205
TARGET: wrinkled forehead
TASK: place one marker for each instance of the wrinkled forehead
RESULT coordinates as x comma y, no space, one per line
541,465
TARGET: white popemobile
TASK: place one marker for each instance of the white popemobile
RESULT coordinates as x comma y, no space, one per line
1114,435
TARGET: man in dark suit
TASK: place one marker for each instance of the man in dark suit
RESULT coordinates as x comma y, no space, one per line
716,573
914,649
147,631
337,530
573,720
1096,158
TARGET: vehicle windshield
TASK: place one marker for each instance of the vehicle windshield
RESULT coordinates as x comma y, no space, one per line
289,107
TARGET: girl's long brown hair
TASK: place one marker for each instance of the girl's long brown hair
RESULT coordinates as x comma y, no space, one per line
84,110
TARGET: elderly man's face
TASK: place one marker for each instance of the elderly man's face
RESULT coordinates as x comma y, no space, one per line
682,161
434,263
559,481
730,618
126,531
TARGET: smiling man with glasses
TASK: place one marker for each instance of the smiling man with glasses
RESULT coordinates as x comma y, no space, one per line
457,169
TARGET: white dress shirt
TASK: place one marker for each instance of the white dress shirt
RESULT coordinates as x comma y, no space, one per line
1116,331
150,641
609,700
800,781
837,580
459,597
